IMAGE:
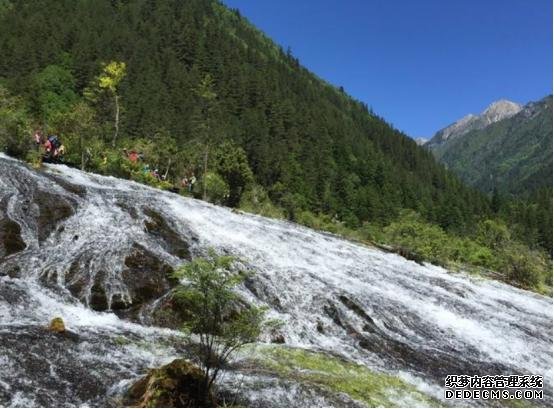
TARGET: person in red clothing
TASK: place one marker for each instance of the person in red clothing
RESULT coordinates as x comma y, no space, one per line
133,156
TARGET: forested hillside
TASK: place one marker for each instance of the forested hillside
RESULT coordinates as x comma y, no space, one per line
513,155
196,89
510,160
300,134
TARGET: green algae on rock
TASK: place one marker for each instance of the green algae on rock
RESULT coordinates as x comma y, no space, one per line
175,385
341,376
57,325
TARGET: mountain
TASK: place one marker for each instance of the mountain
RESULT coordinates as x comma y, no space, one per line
508,147
421,141
495,112
308,144
360,327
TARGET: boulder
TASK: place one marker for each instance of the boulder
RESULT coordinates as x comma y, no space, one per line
98,300
178,384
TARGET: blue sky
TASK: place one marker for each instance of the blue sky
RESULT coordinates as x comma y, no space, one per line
420,64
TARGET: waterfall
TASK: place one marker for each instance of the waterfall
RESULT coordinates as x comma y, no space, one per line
97,250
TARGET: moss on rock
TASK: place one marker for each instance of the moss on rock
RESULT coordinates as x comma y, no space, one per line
341,376
178,384
57,325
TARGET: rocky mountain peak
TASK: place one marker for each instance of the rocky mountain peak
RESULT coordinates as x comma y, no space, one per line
499,110
495,112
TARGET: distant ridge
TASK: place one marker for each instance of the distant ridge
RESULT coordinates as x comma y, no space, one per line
508,147
495,112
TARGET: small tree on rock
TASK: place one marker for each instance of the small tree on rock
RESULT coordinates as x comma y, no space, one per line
218,317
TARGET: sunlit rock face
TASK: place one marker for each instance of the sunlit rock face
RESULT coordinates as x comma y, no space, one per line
495,112
99,252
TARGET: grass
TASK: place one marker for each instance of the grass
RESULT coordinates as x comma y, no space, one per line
340,376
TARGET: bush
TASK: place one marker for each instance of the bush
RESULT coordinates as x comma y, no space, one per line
217,190
308,219
15,130
475,254
232,165
256,200
525,267
293,203
425,241
221,327
115,164
34,157
493,234
142,176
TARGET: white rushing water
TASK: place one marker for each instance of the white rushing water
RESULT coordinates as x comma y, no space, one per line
375,308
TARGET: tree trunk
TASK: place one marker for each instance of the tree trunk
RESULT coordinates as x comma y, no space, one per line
204,193
116,119
167,169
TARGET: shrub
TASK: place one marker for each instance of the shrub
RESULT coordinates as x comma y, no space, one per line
114,163
478,255
53,91
425,241
493,234
142,176
232,165
34,157
256,200
525,267
308,219
217,190
208,292
293,203
15,132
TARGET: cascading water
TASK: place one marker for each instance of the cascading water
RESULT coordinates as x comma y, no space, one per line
96,251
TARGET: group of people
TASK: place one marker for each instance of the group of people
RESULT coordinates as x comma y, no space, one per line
54,151
153,172
52,145
135,157
188,182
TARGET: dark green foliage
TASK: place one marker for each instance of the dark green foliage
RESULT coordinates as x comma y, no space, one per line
513,156
202,74
53,91
512,161
232,164
215,189
206,93
14,125
491,248
530,218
